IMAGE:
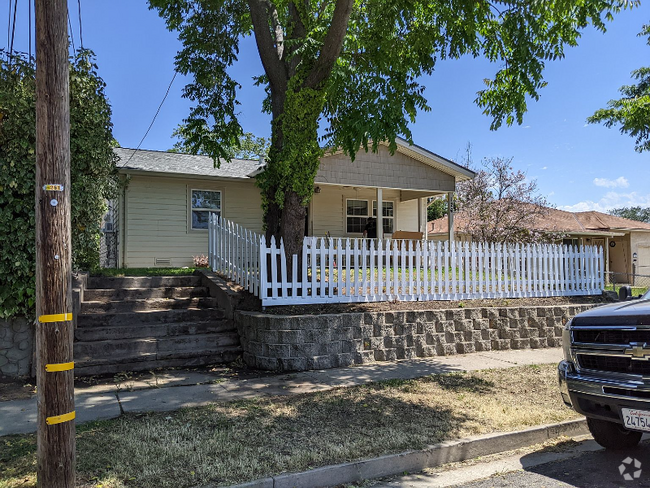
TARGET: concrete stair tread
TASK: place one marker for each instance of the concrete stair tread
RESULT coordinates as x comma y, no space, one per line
99,282
116,306
148,317
144,312
126,324
225,355
165,329
146,288
148,339
143,300
126,358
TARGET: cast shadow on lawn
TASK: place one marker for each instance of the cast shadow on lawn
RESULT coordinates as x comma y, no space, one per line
264,436
456,382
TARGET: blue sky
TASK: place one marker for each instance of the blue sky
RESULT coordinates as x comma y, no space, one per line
577,166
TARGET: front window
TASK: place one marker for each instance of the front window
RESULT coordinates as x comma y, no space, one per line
571,242
204,203
357,216
388,215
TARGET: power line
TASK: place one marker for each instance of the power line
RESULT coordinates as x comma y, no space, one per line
13,28
152,120
81,35
29,28
71,33
9,25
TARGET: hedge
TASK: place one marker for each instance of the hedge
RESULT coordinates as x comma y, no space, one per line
93,172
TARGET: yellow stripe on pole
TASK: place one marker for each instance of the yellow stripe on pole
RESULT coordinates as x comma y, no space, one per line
58,419
56,367
57,317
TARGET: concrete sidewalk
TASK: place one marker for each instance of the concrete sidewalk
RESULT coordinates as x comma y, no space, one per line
178,389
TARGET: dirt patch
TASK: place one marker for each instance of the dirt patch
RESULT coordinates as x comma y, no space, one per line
16,389
252,303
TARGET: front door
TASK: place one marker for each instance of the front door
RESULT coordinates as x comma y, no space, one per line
618,260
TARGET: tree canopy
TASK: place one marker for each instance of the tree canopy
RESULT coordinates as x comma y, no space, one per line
354,69
248,145
642,214
632,110
437,208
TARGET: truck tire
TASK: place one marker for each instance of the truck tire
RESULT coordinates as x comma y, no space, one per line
613,436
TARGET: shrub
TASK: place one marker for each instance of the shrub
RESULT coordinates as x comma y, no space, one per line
93,172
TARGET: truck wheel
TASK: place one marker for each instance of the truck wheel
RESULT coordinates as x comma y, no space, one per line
613,436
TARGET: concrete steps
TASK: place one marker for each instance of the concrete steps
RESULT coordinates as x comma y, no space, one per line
143,323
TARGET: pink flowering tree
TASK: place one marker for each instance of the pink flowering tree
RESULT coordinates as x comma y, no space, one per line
502,205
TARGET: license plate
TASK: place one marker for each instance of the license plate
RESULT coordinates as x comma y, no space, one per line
636,419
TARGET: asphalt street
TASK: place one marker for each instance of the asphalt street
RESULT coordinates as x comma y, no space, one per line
589,470
586,465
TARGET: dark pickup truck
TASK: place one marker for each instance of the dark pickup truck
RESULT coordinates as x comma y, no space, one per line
605,374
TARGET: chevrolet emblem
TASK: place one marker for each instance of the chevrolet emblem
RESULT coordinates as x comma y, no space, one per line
639,351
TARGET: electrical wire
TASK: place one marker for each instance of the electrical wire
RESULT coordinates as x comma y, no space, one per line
71,33
81,34
9,25
29,28
13,28
152,120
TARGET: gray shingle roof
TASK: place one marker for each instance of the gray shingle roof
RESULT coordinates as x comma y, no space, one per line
184,164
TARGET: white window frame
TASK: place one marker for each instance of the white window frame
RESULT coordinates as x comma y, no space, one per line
198,209
348,215
374,204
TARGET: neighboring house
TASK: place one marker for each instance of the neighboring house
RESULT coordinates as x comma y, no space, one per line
163,211
626,243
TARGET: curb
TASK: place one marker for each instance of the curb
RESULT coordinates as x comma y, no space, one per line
415,461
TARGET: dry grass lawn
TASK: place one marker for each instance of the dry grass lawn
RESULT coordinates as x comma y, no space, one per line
233,442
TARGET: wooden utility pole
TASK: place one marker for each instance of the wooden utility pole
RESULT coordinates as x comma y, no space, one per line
54,326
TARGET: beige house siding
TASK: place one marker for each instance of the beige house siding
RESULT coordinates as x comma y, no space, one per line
383,170
157,220
408,212
640,244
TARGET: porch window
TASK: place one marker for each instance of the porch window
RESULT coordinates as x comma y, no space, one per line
357,216
388,215
204,203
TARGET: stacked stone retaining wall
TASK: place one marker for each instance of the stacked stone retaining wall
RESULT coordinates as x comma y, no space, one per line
297,343
16,347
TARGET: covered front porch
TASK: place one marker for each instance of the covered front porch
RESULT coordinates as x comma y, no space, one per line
347,193
343,211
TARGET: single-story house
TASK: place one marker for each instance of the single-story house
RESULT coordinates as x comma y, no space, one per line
626,242
162,213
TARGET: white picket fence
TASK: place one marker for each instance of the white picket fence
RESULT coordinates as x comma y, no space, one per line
334,270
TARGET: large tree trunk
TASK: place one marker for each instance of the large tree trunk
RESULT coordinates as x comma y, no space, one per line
272,219
292,227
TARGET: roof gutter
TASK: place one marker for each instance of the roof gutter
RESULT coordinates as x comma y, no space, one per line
139,172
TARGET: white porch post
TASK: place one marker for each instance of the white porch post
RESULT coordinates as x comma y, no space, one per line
380,214
424,224
450,215
607,261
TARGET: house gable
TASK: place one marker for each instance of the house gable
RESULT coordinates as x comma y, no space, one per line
383,170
